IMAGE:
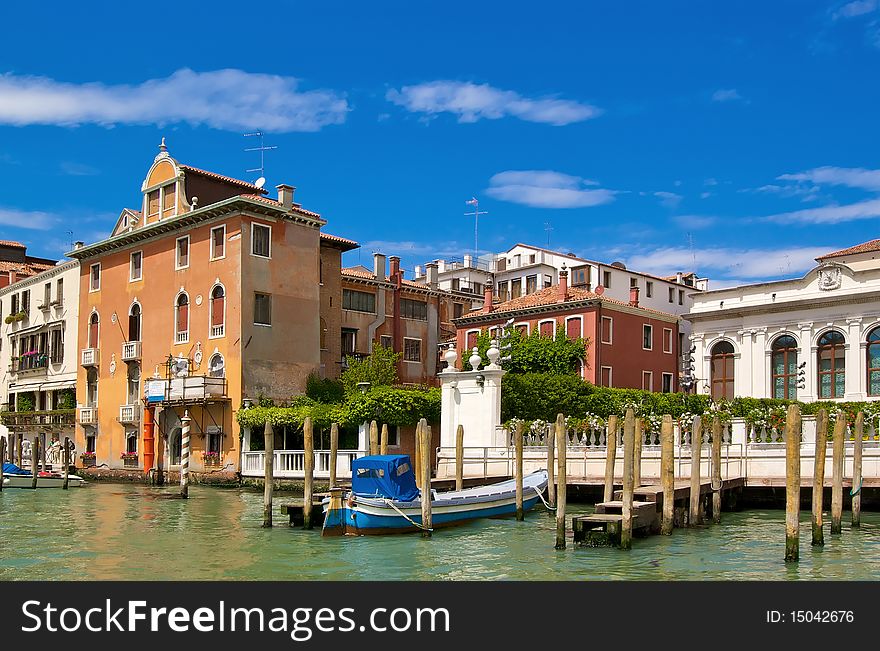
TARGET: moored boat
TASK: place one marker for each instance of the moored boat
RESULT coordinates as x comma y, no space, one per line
384,499
15,477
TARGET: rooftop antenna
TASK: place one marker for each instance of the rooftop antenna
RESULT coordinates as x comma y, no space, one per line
693,254
548,227
260,182
70,235
476,213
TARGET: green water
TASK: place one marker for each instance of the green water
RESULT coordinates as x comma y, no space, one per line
112,531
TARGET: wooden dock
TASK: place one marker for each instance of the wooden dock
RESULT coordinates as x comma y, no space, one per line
294,510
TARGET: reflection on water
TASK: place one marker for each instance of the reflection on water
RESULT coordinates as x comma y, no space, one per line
111,531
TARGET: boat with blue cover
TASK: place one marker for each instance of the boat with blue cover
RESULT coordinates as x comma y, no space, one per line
15,477
384,499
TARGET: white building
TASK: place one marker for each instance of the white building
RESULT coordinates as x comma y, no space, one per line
810,338
38,354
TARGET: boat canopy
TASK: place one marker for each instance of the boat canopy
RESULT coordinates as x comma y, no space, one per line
384,475
12,469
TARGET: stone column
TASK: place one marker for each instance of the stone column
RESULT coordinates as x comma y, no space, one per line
855,361
807,353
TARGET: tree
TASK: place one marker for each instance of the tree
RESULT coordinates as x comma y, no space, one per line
379,368
535,353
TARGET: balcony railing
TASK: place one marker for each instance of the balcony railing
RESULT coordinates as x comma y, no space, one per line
184,389
355,356
129,413
90,356
182,337
28,420
131,351
218,330
88,415
290,464
38,362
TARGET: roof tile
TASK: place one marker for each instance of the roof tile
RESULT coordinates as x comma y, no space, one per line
864,247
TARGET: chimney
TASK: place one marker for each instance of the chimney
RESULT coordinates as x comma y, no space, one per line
678,277
487,298
418,272
431,273
468,260
378,266
394,271
285,195
562,288
634,296
78,245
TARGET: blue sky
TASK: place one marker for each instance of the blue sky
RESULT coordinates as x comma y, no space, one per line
737,138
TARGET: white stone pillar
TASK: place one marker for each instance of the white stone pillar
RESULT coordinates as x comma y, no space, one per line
471,399
807,353
855,361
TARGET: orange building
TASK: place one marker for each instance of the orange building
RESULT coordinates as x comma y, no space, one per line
208,294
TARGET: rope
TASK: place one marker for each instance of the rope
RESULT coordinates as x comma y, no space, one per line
546,503
406,517
855,491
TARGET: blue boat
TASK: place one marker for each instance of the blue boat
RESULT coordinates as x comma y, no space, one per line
384,499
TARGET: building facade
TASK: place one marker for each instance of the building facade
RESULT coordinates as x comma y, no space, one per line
810,338
630,346
38,357
207,295
16,264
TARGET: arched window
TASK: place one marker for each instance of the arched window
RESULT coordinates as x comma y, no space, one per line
181,320
722,370
783,367
874,362
92,388
216,366
134,383
174,447
134,322
832,365
218,311
93,330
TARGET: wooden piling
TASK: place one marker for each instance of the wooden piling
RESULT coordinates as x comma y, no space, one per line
334,452
562,474
837,472
856,491
383,439
551,465
696,449
610,456
20,463
374,438
518,470
309,468
792,483
425,451
417,452
459,457
268,472
35,460
637,452
667,475
629,443
716,470
819,476
2,459
65,459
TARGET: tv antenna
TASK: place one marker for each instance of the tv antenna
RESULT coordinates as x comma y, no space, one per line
548,227
260,182
476,213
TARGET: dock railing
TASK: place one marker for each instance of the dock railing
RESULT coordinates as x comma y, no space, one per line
290,464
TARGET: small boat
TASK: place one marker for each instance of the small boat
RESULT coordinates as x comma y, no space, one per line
15,477
385,499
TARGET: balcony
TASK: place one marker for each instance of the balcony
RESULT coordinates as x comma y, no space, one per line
218,330
129,414
88,415
37,420
131,351
30,364
348,357
90,356
44,306
192,388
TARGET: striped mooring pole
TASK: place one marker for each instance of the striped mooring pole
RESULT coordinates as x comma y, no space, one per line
184,454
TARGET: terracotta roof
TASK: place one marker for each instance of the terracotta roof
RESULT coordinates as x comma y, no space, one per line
550,295
274,202
864,247
24,268
348,244
220,177
12,245
358,272
362,272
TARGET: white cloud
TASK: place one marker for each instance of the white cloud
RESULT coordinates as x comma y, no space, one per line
222,99
669,199
856,8
695,221
546,189
30,219
78,169
726,95
735,263
705,195
833,214
852,177
472,102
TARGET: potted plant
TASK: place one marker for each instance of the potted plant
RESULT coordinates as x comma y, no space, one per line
88,459
211,458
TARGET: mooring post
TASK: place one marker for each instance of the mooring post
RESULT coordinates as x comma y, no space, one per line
518,470
417,454
383,439
309,468
837,472
667,474
2,459
629,443
425,451
374,438
268,472
696,448
65,459
856,490
20,463
35,459
551,465
561,450
792,483
459,457
184,454
716,470
610,455
334,452
819,475
637,453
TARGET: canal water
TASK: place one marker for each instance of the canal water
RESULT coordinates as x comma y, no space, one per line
114,531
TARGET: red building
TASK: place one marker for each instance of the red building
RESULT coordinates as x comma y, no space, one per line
629,346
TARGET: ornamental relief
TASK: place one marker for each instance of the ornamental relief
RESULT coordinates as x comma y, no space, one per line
830,277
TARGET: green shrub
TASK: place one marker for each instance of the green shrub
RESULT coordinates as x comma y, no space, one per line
326,390
379,368
26,401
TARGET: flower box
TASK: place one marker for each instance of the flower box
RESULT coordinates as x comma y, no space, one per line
88,459
211,458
